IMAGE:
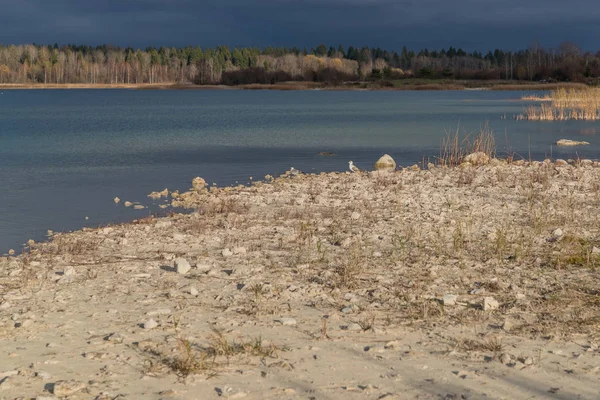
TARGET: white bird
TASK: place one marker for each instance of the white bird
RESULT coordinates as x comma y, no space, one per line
353,167
294,171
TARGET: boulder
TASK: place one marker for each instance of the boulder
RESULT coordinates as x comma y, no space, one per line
198,183
386,163
567,142
477,158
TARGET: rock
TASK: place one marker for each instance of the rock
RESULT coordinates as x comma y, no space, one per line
528,361
69,271
226,253
182,266
43,375
150,324
11,252
158,195
203,268
193,291
350,309
198,184
115,338
489,304
67,388
138,207
385,163
355,216
595,250
128,204
567,142
560,163
449,299
558,233
505,358
353,327
239,250
507,325
287,321
477,158
117,200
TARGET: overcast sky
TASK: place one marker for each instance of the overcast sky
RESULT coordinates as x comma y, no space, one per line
470,24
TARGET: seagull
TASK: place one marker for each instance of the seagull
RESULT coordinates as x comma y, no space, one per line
294,171
353,167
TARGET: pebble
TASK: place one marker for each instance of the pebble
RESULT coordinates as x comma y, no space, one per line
239,250
489,304
43,375
193,291
69,271
117,200
162,311
350,309
355,216
528,361
505,358
287,321
227,253
128,204
138,207
449,299
115,338
67,388
182,266
150,324
558,233
203,268
353,327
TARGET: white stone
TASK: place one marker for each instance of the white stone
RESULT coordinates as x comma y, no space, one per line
182,266
568,142
477,158
355,216
558,233
449,299
203,268
116,200
287,321
69,271
193,291
67,388
150,324
43,375
227,253
489,303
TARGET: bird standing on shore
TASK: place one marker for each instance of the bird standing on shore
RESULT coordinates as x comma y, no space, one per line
353,167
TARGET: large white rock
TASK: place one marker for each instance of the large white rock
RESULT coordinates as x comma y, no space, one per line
568,142
198,183
477,158
182,266
385,163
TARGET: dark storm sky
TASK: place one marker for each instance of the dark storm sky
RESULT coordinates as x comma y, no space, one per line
470,24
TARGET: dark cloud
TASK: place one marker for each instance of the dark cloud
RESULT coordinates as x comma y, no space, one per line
471,24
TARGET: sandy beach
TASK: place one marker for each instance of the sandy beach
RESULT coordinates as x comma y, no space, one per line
478,281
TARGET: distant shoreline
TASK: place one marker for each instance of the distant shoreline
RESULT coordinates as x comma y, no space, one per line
416,84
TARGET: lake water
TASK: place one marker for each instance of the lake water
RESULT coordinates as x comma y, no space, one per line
65,154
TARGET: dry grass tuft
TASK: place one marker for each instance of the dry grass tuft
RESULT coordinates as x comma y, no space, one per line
455,147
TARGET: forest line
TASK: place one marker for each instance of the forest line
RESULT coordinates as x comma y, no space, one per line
74,64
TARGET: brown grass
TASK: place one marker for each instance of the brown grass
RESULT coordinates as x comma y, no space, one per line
455,146
571,104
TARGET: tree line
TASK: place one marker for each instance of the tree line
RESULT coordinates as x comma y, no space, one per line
221,65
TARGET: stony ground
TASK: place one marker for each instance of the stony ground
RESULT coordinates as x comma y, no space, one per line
469,282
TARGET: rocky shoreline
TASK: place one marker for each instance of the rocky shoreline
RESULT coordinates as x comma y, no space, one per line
466,282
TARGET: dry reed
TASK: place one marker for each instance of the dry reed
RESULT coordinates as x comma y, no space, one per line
455,147
572,104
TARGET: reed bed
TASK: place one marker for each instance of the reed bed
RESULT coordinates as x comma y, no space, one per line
565,104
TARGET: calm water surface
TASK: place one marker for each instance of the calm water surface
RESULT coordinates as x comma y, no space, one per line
65,154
